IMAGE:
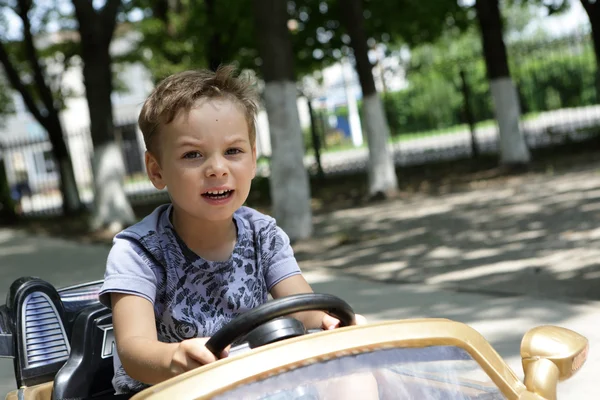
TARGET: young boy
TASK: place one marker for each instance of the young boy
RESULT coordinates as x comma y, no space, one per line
190,267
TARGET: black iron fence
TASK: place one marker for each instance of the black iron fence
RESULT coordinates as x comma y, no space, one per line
32,174
445,113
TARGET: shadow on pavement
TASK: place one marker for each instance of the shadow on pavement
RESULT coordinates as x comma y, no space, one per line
538,235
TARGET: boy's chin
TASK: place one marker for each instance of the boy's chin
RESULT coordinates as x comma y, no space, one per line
207,212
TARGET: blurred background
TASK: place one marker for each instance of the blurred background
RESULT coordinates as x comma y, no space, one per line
384,91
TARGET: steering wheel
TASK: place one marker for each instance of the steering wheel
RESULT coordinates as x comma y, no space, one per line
245,323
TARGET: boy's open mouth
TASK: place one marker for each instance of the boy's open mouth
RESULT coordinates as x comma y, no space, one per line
218,194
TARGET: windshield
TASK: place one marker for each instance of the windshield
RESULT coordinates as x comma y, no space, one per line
437,372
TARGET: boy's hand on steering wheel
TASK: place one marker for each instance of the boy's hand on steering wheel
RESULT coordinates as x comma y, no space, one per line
330,322
192,353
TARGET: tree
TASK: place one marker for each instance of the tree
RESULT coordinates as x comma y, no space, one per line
7,208
184,35
326,31
381,171
8,213
96,29
41,104
290,191
513,149
592,8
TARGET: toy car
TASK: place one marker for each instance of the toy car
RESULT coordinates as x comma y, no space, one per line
62,345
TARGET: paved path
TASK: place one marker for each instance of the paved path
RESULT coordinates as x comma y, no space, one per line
502,320
536,234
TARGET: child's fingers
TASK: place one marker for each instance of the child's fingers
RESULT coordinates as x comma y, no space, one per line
330,322
360,319
196,349
225,352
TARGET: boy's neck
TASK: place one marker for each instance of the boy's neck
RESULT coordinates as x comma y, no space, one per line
211,240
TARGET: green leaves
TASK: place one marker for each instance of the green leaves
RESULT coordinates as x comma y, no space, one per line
194,34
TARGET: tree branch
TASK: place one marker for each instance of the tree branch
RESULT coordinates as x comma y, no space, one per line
85,15
587,6
19,86
32,57
108,18
84,9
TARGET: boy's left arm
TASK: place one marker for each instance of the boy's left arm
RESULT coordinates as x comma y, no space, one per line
311,319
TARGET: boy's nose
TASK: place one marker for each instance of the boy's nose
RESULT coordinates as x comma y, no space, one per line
217,167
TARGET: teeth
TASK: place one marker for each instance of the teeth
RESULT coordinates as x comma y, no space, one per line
217,192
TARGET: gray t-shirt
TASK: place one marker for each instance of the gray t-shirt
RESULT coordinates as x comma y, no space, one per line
193,297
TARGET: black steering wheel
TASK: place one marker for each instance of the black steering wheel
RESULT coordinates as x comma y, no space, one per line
271,310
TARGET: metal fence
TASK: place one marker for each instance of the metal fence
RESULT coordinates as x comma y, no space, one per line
445,113
33,174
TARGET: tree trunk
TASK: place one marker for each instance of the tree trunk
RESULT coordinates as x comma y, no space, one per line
68,184
71,203
382,175
7,206
290,190
111,205
316,142
513,149
214,38
593,12
468,113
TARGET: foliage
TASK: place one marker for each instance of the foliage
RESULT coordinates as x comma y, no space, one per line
557,80
183,34
6,102
550,74
178,35
320,39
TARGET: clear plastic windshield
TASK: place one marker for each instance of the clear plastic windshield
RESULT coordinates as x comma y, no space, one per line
437,372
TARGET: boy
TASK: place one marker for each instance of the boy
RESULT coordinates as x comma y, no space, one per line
190,267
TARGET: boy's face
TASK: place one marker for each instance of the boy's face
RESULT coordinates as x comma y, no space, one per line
205,160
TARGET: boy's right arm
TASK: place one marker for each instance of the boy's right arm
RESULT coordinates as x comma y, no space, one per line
144,358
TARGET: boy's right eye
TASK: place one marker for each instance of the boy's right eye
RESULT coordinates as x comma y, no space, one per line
192,155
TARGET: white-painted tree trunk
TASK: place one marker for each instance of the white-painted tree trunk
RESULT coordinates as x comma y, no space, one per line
290,190
71,195
111,206
513,148
382,175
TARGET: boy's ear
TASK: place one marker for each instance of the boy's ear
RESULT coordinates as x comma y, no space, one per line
154,171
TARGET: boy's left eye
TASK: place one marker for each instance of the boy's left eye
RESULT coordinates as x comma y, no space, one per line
192,155
233,151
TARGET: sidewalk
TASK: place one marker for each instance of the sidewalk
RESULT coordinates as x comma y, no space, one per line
502,320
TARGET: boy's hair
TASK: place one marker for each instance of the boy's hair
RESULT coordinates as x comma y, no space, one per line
179,92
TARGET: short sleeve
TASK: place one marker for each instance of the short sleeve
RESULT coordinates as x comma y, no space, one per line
277,256
128,271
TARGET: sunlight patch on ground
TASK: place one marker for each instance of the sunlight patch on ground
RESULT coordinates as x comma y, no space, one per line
581,235
572,260
519,209
484,270
527,235
481,253
590,207
7,234
318,277
15,250
444,252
